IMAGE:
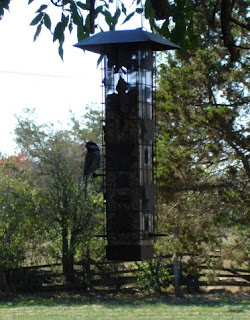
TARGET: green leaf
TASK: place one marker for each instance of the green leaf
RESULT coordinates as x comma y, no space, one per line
37,19
124,9
80,33
99,9
60,50
5,4
139,10
106,5
47,21
76,15
87,24
70,26
59,33
108,18
83,6
179,32
43,7
100,59
73,8
64,20
165,30
128,17
38,30
116,16
149,11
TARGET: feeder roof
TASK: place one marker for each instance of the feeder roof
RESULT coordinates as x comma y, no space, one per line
103,41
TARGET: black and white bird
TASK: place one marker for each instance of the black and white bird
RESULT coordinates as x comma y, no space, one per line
92,161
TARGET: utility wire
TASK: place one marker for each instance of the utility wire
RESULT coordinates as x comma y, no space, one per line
34,74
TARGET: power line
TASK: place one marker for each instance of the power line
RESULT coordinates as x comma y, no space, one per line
34,74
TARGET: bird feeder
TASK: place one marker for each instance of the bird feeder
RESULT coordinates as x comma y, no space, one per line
129,132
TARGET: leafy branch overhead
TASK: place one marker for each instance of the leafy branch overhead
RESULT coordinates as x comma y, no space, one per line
76,14
178,20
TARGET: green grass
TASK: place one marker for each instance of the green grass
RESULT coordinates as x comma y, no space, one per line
73,307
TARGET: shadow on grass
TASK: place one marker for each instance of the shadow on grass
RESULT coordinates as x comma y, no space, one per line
236,304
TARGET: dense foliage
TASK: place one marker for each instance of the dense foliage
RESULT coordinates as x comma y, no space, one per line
203,150
45,200
175,19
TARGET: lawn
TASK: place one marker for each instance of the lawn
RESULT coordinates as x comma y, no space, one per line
93,307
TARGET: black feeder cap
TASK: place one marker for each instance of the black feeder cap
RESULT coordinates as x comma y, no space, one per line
102,42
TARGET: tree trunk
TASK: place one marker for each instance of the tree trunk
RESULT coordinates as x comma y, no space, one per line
67,255
229,42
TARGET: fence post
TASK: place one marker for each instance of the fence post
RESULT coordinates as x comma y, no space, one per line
177,287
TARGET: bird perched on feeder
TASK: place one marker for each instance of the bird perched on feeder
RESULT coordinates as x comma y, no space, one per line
92,161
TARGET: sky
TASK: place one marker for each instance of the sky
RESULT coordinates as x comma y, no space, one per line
32,75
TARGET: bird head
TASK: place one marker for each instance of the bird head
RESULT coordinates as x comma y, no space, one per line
91,146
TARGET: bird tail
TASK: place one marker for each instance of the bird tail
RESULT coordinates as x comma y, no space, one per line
86,185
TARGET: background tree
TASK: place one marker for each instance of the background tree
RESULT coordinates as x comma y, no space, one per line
57,160
19,217
203,148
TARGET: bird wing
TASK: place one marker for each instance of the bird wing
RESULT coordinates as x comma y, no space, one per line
92,162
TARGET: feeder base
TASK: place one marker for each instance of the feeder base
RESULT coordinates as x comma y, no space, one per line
129,253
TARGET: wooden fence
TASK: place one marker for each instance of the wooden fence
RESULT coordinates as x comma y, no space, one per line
117,276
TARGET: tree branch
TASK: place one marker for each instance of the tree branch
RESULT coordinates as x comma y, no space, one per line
226,11
92,16
241,47
240,24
